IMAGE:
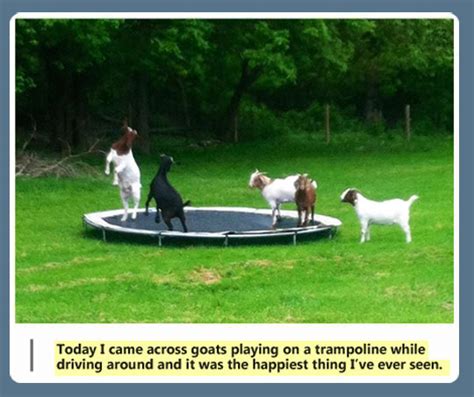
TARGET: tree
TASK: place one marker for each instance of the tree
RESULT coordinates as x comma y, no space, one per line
193,75
396,54
247,51
56,61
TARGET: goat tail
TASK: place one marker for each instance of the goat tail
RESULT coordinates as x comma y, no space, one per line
412,199
187,203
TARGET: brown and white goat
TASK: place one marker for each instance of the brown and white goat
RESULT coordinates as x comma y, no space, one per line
126,171
305,199
275,191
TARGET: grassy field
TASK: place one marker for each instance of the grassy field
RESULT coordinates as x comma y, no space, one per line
66,275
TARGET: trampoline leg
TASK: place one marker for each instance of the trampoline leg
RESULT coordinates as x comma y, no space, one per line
104,237
294,239
159,240
226,241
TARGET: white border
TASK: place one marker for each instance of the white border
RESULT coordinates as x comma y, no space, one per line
449,333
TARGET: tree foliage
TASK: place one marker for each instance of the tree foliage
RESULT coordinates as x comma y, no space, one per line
74,78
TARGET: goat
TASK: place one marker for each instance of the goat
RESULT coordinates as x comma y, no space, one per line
305,199
275,191
126,171
387,212
167,199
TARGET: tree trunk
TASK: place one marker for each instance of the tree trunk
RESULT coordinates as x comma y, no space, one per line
247,78
184,99
373,112
142,114
232,112
64,114
236,129
79,134
407,122
327,121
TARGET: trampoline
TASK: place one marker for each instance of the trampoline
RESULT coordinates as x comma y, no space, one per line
223,225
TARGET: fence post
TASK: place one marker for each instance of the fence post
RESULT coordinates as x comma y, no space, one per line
407,122
327,123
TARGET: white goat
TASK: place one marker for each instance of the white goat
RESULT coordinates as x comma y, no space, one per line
389,212
275,191
126,171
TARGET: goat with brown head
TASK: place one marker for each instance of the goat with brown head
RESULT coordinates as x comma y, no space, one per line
126,171
124,144
305,199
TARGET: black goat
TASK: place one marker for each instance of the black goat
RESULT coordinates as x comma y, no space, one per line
167,199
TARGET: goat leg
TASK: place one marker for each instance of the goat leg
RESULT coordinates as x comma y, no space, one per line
183,222
299,217
147,204
168,223
278,213
274,219
306,217
108,160
136,200
116,179
406,228
157,215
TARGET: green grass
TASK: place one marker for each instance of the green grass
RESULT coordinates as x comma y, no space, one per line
66,275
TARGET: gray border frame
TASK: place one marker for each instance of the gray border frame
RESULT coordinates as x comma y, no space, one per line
463,9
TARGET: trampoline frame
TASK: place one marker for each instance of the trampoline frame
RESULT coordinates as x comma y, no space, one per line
327,224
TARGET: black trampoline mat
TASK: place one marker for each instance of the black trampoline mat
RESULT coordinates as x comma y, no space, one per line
207,221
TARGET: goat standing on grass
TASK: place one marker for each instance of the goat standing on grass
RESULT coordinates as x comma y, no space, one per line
275,191
126,171
167,199
379,212
305,199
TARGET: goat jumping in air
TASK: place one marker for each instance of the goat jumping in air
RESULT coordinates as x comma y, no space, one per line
126,171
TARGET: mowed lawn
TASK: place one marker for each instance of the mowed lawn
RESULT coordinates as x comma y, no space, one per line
66,275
